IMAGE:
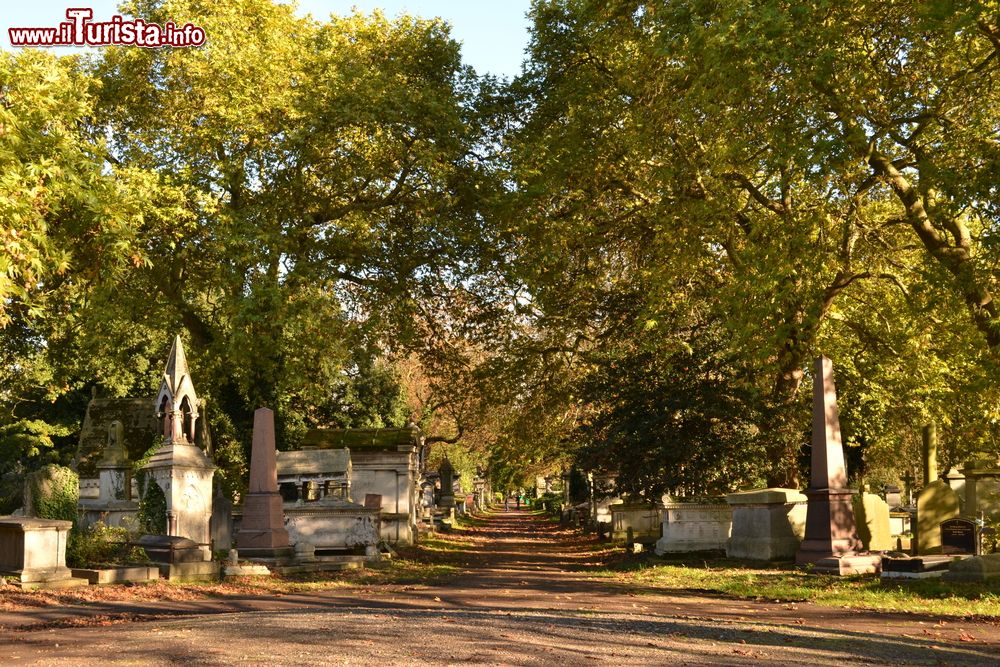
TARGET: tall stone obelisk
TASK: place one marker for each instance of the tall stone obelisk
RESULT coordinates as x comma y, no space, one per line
262,532
831,540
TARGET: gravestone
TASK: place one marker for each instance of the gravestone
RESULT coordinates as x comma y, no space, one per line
936,502
959,536
262,532
221,525
893,496
447,473
373,501
872,514
831,542
115,480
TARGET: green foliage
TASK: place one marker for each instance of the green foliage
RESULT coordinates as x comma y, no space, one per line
101,545
625,258
54,493
152,517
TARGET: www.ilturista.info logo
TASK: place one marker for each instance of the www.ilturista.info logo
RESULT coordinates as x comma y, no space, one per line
81,31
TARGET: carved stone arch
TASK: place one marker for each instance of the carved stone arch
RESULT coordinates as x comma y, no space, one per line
188,416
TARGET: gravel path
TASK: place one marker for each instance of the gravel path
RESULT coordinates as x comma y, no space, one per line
524,599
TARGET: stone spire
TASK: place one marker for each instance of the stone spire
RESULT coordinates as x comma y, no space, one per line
177,366
828,468
831,541
176,401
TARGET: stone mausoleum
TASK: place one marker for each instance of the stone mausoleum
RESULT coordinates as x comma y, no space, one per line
385,462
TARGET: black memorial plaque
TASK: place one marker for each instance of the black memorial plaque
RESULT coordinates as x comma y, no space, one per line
958,536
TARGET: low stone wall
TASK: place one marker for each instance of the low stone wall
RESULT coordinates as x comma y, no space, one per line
690,527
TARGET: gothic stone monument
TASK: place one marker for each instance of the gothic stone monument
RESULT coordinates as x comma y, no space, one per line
179,467
831,542
262,532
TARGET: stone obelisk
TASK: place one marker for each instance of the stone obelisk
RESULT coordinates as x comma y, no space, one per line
262,532
831,541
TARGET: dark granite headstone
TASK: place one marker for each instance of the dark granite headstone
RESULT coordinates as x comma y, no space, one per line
221,525
958,536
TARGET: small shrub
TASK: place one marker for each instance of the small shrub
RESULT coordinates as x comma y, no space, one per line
102,545
153,510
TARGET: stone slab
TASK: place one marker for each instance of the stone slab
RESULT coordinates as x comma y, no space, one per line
977,568
204,571
913,575
847,565
52,584
118,575
246,570
921,567
766,497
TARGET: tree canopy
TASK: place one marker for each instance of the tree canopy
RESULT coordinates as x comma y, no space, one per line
622,259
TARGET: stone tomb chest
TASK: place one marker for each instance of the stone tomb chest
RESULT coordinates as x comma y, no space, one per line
694,526
318,511
768,524
34,551
642,519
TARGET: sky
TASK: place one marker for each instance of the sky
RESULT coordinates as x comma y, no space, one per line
493,33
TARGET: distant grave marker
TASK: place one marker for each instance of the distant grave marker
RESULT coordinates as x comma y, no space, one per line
958,536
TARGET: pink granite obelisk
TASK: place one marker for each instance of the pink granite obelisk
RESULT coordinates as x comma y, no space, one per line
831,540
262,532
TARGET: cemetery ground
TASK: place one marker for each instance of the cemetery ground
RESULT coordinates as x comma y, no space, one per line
512,588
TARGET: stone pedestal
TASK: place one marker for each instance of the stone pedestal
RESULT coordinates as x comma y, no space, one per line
768,524
830,526
34,551
263,526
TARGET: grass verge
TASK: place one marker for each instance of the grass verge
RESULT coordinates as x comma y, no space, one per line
784,584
